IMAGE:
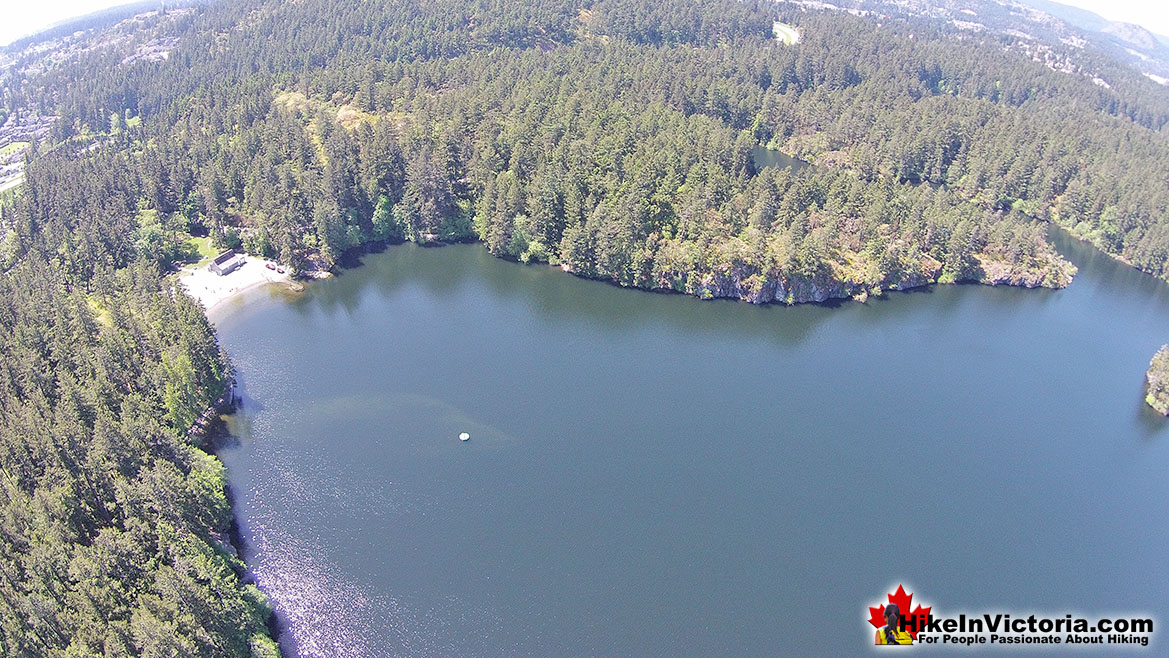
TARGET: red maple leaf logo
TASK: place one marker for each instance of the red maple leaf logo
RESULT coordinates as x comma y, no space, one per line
903,601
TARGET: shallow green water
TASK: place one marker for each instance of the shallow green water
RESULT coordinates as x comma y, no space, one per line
771,158
653,475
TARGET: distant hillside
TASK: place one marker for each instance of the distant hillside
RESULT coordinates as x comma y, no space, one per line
96,20
1086,20
1133,34
1081,18
1123,34
1066,38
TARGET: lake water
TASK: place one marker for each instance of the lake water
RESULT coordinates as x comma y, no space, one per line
654,475
771,158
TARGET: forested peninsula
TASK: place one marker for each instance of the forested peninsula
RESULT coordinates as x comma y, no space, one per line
613,138
1157,381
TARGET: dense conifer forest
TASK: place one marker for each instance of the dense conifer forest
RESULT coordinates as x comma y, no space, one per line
114,530
614,138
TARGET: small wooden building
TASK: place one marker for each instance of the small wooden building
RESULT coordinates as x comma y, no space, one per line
226,262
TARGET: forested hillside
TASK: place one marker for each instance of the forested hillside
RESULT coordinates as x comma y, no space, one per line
611,137
614,137
114,522
113,527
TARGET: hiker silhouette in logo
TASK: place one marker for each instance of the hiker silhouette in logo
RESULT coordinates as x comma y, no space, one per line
889,633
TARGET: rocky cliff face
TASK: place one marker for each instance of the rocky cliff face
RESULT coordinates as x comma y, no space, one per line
1055,273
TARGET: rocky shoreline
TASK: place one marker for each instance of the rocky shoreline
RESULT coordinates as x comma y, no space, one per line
1157,380
747,284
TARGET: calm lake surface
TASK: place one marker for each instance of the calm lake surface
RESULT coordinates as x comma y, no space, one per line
654,475
771,158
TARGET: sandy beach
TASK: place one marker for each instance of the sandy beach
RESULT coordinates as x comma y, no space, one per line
213,289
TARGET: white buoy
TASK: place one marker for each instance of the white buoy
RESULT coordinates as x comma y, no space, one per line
464,437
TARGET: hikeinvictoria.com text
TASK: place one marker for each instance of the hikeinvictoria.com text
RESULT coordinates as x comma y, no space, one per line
1005,629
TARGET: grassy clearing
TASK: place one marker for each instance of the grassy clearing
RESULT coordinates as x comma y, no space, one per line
293,101
350,117
786,33
204,248
100,312
14,147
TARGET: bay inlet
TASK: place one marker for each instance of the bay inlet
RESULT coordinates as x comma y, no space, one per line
655,475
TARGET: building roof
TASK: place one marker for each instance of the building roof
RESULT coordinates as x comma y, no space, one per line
224,256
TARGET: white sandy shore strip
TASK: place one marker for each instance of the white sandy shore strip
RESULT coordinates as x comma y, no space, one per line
212,289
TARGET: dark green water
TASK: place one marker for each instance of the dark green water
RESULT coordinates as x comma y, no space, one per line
653,475
771,158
